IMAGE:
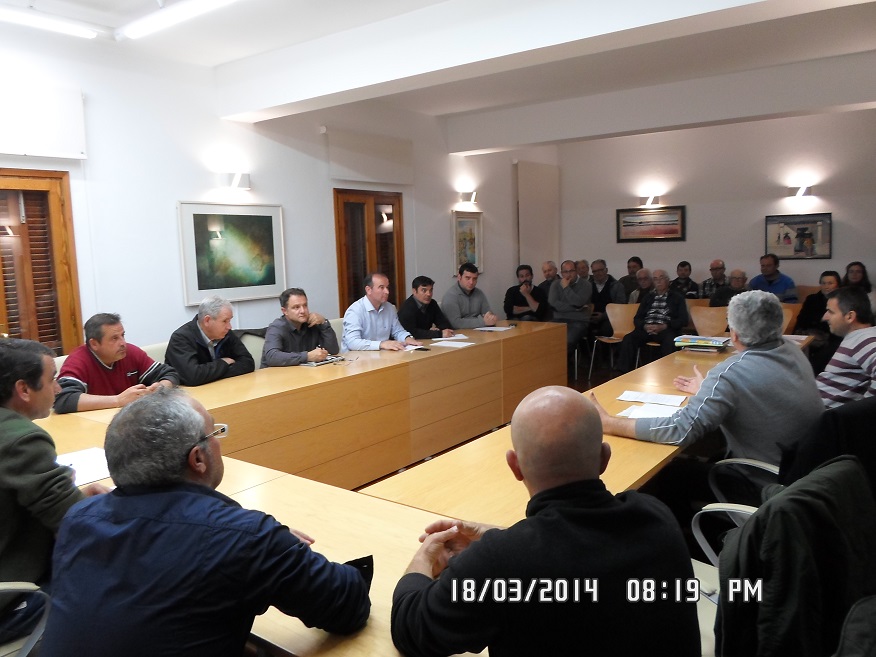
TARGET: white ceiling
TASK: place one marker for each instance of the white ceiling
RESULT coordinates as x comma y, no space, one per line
612,62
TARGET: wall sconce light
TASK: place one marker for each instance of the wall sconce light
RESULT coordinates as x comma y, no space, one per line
803,190
235,180
649,201
215,234
468,197
6,231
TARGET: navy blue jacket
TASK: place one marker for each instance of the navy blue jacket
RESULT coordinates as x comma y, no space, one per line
184,570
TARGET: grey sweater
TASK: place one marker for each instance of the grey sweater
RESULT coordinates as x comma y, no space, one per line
760,397
465,310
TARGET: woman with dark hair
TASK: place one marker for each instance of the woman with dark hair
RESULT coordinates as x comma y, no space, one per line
810,322
856,276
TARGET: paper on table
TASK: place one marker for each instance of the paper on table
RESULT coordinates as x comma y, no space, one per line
494,328
458,336
652,398
455,345
647,410
89,464
414,347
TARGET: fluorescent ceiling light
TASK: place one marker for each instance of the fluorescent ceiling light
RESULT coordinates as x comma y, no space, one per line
33,18
169,16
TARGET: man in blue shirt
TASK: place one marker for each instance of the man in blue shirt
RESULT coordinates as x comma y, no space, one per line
371,323
166,565
773,281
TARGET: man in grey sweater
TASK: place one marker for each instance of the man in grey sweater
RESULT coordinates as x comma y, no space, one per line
464,305
570,298
763,396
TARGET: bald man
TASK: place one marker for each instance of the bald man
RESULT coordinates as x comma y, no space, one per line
529,589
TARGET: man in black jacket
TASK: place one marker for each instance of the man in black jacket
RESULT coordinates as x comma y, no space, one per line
420,314
586,572
205,349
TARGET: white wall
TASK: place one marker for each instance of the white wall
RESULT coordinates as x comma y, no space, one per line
729,177
153,137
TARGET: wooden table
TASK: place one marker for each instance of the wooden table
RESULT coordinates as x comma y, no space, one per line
353,422
473,482
346,525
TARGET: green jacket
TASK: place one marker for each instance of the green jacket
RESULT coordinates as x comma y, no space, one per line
35,493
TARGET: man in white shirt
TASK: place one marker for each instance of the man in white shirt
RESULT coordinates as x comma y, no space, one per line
849,374
371,323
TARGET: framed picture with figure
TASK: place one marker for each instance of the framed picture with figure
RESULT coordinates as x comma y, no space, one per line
798,236
234,251
467,240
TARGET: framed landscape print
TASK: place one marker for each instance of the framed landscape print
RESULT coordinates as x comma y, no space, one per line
234,251
651,224
798,236
467,240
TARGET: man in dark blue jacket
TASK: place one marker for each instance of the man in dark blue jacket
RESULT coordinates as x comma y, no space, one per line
166,565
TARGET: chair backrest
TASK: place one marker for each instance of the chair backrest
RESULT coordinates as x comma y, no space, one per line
790,311
59,360
337,325
621,317
709,321
254,345
703,303
821,532
156,351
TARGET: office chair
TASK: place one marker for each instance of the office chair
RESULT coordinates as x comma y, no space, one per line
21,647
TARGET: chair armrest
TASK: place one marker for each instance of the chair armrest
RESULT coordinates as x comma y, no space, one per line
735,511
729,464
37,633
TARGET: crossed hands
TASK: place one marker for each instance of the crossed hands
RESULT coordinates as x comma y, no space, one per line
442,540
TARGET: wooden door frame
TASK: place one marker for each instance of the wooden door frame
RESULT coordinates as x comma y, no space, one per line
57,184
370,198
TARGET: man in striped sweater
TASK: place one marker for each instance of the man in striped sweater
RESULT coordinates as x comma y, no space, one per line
850,373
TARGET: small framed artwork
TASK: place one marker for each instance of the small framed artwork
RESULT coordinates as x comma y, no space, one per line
234,251
467,240
798,236
651,224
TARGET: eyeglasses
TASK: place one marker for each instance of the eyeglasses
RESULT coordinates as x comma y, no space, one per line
598,271
219,430
568,271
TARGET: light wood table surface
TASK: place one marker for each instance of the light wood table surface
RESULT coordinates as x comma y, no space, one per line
473,482
353,422
345,525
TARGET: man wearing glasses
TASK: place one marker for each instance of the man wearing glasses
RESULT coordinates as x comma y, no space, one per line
166,565
718,279
570,300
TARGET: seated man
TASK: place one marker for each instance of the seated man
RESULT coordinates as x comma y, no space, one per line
465,305
166,565
660,318
606,290
35,492
629,281
850,373
371,323
299,336
717,280
420,314
773,281
570,301
107,372
550,272
583,269
206,349
523,301
684,285
721,296
644,283
576,534
763,396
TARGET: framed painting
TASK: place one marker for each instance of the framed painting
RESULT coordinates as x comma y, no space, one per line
467,240
234,251
798,236
665,224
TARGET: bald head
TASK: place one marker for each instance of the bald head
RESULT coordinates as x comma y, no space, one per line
557,437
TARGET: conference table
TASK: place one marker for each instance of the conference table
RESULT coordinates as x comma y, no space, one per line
470,481
473,482
352,422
